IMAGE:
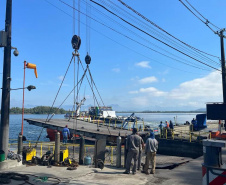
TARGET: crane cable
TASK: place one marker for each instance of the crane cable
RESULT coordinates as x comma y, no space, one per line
90,84
55,99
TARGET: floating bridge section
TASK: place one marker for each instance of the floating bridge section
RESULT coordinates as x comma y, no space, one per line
87,129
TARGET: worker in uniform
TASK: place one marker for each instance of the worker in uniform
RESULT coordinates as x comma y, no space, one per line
171,125
150,151
167,124
133,145
65,133
161,129
140,154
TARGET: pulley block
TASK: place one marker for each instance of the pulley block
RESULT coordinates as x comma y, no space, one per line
87,59
76,42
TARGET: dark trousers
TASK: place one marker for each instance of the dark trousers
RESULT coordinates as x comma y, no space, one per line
64,139
132,154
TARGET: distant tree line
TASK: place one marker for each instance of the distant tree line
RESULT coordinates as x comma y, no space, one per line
37,110
162,111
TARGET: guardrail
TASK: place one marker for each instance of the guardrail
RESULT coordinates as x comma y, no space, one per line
113,123
181,133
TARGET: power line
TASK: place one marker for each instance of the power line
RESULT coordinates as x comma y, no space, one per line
138,41
142,16
153,36
205,22
129,30
135,51
172,42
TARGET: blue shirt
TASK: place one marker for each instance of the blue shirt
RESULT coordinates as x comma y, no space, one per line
66,132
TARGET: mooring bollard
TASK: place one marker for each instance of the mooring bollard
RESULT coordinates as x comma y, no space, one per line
57,147
81,150
125,152
118,154
20,144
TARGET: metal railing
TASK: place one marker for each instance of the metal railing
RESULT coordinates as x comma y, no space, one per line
181,133
43,147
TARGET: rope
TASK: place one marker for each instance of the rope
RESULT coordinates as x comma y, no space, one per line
73,17
54,99
79,18
92,88
60,87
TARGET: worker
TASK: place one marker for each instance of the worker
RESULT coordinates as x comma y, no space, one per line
171,125
66,133
133,145
160,127
150,151
193,121
140,154
167,124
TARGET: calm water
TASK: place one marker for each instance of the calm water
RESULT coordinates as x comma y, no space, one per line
32,132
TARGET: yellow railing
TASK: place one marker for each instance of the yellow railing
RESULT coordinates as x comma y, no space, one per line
50,146
183,134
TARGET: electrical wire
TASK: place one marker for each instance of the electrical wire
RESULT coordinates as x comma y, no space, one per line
202,15
153,36
129,30
145,18
181,44
125,46
125,35
205,22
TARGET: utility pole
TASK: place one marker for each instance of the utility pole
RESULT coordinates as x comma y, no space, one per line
5,106
223,69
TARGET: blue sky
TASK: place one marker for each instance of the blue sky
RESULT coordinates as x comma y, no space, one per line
126,73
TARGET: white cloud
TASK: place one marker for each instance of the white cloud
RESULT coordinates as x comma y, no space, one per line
153,91
133,92
148,80
135,78
194,93
60,78
143,64
207,87
141,101
117,70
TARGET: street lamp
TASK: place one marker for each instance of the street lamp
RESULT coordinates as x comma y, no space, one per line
29,88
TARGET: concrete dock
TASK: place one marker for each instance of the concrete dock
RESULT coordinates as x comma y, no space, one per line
189,173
